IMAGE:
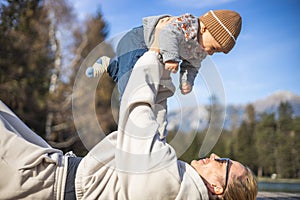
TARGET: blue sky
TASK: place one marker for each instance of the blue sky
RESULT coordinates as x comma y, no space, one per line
266,57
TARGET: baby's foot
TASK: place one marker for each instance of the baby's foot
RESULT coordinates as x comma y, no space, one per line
98,68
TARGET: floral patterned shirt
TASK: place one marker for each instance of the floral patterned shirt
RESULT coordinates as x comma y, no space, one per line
178,40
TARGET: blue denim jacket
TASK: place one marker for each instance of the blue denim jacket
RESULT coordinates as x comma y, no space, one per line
129,49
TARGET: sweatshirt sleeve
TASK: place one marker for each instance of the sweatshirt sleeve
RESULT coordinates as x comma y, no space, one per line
169,41
138,125
188,73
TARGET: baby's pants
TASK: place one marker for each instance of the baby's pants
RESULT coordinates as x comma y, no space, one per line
130,48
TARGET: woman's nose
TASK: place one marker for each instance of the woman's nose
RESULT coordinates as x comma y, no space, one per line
213,156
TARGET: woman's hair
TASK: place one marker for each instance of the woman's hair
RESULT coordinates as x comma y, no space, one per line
242,187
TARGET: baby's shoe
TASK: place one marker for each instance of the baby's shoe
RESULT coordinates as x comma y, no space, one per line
98,68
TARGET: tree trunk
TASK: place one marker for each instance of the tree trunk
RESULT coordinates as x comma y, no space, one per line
56,48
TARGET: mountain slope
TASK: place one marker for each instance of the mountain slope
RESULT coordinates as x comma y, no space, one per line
196,118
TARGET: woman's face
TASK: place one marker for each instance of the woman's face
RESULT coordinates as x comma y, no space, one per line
213,171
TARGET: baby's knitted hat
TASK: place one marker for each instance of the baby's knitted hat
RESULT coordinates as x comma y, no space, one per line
224,26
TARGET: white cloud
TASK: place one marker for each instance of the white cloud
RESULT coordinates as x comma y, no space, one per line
85,8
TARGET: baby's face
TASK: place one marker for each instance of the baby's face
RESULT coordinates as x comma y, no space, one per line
208,43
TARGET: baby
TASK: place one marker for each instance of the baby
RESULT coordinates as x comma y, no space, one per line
181,41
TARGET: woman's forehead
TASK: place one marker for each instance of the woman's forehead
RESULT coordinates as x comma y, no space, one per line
237,169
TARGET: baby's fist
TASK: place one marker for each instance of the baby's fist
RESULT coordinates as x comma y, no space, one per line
185,88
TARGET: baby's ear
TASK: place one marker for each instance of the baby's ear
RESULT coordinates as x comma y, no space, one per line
202,28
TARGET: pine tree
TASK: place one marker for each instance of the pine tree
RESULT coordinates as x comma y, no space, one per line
285,141
265,144
245,143
25,60
296,147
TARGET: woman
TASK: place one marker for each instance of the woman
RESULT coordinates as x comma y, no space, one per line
134,162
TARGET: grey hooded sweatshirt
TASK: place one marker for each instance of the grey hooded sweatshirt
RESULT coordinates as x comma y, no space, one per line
135,162
132,163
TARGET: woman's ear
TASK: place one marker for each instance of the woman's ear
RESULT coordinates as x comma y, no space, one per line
215,188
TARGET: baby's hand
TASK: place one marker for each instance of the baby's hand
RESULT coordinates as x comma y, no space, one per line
171,66
185,88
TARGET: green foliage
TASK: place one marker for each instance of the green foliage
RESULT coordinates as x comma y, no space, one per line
296,147
245,150
25,60
267,143
285,142
192,153
30,49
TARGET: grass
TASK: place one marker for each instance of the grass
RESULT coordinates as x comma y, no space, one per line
277,180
